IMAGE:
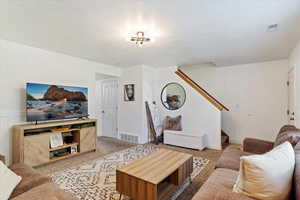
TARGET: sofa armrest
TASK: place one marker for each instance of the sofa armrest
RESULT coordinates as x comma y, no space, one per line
47,191
257,146
30,179
2,158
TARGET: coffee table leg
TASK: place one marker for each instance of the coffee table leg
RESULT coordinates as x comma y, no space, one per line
120,196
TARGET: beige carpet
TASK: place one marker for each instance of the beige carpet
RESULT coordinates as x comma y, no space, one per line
108,145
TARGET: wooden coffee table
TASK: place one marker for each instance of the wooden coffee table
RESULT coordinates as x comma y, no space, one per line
156,176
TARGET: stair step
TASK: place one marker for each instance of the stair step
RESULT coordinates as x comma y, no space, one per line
225,141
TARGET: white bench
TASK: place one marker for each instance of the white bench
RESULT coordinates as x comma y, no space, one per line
185,139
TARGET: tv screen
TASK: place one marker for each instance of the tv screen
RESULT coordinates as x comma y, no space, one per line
55,102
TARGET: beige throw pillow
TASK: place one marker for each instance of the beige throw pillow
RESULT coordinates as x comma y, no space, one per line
172,123
8,181
268,176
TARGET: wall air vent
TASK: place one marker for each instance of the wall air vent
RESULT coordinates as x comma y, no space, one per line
129,138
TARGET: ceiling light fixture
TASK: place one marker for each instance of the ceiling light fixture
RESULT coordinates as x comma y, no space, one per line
140,38
272,28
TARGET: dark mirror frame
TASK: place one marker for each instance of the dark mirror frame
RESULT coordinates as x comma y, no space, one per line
161,98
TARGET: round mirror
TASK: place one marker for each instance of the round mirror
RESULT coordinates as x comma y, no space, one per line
173,96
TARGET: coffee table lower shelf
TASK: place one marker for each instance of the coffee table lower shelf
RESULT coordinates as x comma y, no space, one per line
165,190
140,190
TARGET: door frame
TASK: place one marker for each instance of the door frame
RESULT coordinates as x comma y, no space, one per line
291,112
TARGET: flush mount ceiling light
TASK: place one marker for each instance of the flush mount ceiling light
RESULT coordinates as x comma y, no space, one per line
140,38
140,31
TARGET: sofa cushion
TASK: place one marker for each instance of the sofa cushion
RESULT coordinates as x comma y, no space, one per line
48,190
291,135
8,181
230,158
268,176
2,158
30,178
286,128
219,187
257,146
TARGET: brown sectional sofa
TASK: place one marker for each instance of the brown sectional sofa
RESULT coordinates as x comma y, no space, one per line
35,186
220,184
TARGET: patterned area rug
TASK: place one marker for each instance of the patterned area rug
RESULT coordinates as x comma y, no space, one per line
96,180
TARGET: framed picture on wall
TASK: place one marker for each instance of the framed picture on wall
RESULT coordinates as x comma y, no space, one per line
56,140
129,93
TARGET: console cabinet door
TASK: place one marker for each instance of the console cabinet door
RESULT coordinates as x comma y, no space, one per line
88,139
36,149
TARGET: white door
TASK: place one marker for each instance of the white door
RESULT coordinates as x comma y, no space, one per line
291,98
108,107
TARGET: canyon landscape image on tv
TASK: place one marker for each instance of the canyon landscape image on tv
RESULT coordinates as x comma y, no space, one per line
54,102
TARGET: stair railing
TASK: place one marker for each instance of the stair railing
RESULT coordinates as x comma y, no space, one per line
202,91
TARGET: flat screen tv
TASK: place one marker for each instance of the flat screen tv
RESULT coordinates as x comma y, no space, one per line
54,102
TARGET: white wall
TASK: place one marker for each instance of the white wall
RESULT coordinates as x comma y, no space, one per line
256,95
130,117
20,64
149,77
198,115
294,62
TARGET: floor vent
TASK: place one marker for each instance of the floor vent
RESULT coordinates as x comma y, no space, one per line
129,138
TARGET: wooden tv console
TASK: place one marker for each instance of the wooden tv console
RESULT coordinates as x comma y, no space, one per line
31,143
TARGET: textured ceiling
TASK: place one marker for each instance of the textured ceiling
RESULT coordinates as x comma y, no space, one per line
224,32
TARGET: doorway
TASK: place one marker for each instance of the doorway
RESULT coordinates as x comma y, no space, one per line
291,97
107,106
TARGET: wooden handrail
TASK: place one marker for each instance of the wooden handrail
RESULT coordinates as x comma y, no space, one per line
202,91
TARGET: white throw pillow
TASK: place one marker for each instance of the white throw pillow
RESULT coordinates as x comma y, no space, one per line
8,181
268,176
